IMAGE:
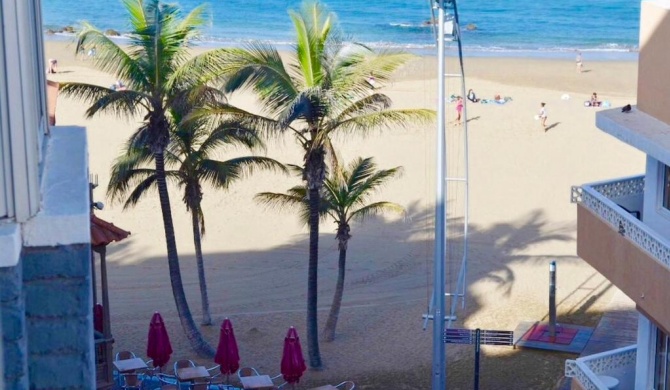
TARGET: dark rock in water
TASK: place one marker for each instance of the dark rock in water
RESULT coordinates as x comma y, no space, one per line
49,32
68,29
471,27
112,33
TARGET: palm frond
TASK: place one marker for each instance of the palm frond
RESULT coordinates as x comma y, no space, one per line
128,168
387,119
136,15
224,115
140,189
294,201
260,67
104,100
122,179
358,171
375,209
110,58
205,68
307,106
376,102
233,135
353,67
312,26
372,183
221,174
183,100
295,170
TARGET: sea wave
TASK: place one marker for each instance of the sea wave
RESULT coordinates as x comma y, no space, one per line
427,48
425,24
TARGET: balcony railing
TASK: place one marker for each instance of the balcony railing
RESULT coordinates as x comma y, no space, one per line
617,363
605,200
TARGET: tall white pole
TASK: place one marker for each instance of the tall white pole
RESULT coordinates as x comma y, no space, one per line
439,347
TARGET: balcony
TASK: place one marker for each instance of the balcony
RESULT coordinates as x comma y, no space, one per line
613,239
588,372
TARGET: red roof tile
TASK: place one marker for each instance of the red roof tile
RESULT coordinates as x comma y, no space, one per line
103,232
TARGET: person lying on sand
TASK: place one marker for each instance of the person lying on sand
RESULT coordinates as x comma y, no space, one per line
594,102
472,97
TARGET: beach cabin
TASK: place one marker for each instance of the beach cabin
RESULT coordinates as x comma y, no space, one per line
623,224
46,298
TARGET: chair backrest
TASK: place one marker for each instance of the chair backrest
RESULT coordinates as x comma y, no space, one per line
167,382
247,371
348,385
199,384
123,355
182,364
131,381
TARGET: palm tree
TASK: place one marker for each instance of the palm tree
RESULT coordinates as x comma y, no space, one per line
161,75
344,199
190,151
317,93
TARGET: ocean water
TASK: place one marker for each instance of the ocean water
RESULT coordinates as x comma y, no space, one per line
513,27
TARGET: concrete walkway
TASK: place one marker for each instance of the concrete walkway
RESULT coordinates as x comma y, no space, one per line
617,328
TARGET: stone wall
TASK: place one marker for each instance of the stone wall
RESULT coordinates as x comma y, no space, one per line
14,330
46,304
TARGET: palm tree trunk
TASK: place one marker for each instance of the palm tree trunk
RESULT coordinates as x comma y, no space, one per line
312,283
206,316
192,332
331,323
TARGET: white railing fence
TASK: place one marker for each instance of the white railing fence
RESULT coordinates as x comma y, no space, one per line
587,370
598,198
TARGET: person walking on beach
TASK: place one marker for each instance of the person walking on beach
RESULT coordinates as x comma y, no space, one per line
459,110
543,116
53,64
580,63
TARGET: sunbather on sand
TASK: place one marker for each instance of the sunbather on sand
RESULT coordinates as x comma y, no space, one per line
472,97
593,102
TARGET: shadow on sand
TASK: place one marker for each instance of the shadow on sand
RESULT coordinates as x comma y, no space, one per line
388,282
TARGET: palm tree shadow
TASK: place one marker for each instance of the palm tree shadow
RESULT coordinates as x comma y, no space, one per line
551,126
389,271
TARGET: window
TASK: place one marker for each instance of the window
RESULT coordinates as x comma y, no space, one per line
666,187
23,117
662,363
6,188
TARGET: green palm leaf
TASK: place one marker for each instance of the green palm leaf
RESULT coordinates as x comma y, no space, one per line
318,93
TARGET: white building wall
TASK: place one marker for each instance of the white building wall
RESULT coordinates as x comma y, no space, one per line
655,215
644,363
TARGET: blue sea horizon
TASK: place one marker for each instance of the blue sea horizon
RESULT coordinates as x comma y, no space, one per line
601,29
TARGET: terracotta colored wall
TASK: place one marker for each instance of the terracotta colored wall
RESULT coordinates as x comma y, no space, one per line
576,385
653,90
640,276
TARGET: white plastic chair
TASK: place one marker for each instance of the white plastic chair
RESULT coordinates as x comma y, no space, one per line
347,385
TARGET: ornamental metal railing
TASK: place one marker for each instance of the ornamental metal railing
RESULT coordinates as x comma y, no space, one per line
600,199
588,370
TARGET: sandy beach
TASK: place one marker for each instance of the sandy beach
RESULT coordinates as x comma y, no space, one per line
521,218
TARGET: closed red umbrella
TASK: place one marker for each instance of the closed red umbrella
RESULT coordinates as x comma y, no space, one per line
158,344
97,318
292,361
227,356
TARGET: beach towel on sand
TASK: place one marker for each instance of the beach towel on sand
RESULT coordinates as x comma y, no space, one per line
501,101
